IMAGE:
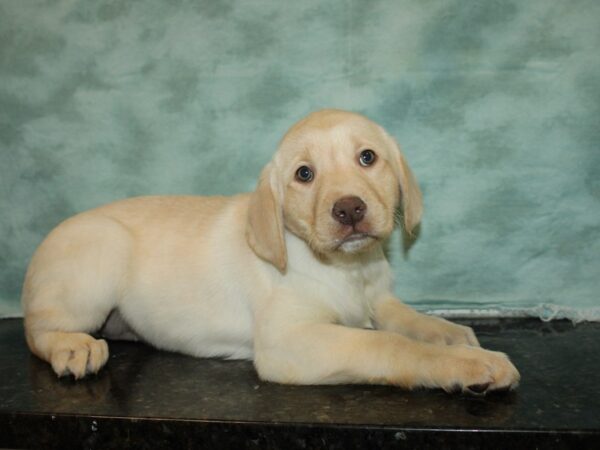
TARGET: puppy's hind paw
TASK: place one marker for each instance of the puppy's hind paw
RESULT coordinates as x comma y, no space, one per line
79,355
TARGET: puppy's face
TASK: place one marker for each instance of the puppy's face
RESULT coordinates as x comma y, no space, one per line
336,182
340,189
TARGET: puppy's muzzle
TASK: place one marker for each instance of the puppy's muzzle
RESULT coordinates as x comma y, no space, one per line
349,210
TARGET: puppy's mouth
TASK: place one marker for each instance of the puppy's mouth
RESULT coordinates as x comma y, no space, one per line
354,241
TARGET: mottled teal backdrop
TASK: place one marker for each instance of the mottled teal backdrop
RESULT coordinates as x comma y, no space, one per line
496,103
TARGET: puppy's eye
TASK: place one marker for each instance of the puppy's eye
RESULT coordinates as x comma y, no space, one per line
304,174
367,158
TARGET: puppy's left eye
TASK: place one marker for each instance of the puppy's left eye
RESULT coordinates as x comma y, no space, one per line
367,158
304,174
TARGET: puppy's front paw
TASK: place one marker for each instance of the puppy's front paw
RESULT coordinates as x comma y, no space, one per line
436,330
477,371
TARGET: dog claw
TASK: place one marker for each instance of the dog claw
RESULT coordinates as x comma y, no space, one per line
478,388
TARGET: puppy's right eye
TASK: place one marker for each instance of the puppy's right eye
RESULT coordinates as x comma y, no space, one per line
304,174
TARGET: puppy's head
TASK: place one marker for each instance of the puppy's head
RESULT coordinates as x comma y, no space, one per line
336,182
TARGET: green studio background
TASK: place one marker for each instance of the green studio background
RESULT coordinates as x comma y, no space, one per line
496,104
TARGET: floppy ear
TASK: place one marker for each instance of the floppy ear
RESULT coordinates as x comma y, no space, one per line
264,230
412,199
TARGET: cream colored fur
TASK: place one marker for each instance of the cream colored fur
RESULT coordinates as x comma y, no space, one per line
269,276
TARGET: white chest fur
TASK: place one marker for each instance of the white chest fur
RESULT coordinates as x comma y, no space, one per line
343,289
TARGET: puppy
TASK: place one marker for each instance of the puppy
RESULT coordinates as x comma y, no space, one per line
292,275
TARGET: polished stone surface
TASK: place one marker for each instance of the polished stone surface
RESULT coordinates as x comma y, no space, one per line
146,399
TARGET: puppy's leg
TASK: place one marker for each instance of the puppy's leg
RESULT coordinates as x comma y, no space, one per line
57,333
78,354
392,315
72,284
327,353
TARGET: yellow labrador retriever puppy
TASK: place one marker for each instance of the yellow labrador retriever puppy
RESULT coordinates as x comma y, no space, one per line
291,275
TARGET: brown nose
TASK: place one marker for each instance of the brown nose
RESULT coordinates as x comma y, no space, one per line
349,210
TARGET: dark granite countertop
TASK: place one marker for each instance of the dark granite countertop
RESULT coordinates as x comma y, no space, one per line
150,399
